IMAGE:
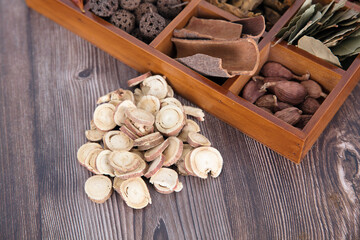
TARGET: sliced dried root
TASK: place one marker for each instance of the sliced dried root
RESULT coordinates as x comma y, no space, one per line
151,144
138,94
94,135
117,141
204,160
155,86
119,114
149,103
84,151
165,177
124,162
170,120
104,117
170,92
103,163
171,101
194,112
173,152
196,140
90,161
190,126
137,80
187,165
180,164
138,172
140,116
117,95
155,166
128,132
134,192
155,152
178,187
148,138
165,190
98,188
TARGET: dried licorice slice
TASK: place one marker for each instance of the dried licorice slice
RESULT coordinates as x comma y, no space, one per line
151,24
124,20
104,8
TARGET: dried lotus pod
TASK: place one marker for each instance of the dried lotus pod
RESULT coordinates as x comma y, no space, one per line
170,120
204,160
289,115
103,163
119,114
314,89
104,117
140,116
148,145
155,152
148,138
84,151
171,101
134,192
155,166
190,126
124,162
155,86
117,141
128,132
194,112
173,152
196,140
170,93
138,94
149,103
98,188
138,172
90,160
165,177
137,80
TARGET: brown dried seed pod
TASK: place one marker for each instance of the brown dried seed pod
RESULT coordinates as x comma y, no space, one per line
140,116
155,166
204,160
119,114
149,103
170,120
155,152
251,92
194,112
84,151
266,110
103,163
196,140
289,91
267,101
310,105
165,177
274,69
155,86
117,141
281,105
134,192
314,89
304,119
289,115
124,161
190,126
104,117
173,152
98,188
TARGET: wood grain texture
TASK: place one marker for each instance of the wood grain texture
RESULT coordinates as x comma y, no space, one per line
49,82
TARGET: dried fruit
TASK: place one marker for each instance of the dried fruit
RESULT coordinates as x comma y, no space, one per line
98,188
289,115
310,105
304,119
274,69
314,89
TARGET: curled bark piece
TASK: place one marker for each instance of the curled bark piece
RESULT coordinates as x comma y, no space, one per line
204,160
124,161
194,112
128,132
84,151
135,193
239,57
140,116
119,114
196,140
165,177
253,27
103,163
190,126
98,188
137,80
214,29
117,141
155,86
138,172
173,152
149,103
170,120
171,101
104,117
148,138
155,166
155,152
90,161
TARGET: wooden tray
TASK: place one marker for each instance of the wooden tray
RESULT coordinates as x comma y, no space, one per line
220,100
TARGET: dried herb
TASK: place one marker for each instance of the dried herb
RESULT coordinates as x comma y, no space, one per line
80,4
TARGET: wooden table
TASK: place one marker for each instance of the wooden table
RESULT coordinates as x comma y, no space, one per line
50,80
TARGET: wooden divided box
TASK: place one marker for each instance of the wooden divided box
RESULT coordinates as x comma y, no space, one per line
222,100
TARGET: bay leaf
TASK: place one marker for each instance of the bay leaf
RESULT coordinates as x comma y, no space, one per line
330,11
347,46
356,52
305,17
336,34
308,25
317,48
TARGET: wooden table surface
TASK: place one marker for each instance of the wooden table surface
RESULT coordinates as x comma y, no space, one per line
49,82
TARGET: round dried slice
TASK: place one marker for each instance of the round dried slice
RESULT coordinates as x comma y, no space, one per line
173,152
180,164
170,92
151,144
127,95
119,114
149,103
204,160
128,132
190,126
115,102
153,153
132,128
137,80
138,172
94,135
162,189
196,140
90,161
144,129
194,112
170,120
135,193
187,164
171,101
104,117
137,152
84,151
155,86
140,116
138,94
103,163
155,166
124,161
117,141
165,177
178,187
98,188
148,138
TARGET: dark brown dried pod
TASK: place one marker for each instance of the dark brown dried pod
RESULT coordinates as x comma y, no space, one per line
288,91
314,89
304,119
273,79
281,106
267,101
310,105
274,69
251,91
266,110
289,115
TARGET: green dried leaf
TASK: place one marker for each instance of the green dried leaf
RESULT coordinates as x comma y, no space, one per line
356,52
347,47
336,34
329,11
305,17
318,49
308,25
